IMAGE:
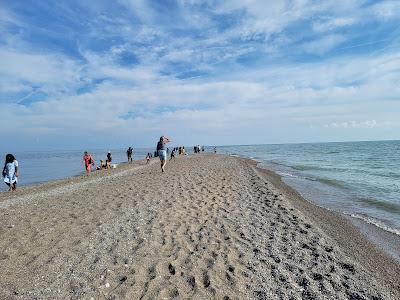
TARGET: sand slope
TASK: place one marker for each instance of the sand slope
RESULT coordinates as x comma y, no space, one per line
211,227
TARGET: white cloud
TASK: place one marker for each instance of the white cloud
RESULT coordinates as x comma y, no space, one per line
368,124
324,44
232,97
53,73
387,9
353,124
332,24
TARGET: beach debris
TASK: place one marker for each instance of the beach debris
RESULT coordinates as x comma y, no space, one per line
348,267
206,280
191,281
171,269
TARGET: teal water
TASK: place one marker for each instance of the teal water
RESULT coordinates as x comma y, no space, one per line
360,179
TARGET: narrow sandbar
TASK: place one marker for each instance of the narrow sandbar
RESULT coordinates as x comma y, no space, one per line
210,227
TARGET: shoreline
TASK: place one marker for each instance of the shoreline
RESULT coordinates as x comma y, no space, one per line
211,226
380,244
386,240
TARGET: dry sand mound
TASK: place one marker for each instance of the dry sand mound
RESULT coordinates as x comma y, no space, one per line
211,227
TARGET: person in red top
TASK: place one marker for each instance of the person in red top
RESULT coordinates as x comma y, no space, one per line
87,161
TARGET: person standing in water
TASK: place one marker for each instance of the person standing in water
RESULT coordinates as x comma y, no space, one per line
162,151
88,162
109,157
11,172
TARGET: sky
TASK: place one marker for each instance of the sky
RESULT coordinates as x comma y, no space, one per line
107,74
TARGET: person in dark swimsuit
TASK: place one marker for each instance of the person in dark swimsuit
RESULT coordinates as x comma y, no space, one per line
109,157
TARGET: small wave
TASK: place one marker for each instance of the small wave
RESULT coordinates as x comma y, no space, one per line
383,205
304,167
307,168
332,182
286,174
376,222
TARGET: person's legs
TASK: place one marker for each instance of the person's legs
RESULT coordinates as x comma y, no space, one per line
14,186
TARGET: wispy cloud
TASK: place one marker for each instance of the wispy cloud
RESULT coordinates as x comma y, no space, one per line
203,67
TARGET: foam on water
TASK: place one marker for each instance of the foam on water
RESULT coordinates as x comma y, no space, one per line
377,223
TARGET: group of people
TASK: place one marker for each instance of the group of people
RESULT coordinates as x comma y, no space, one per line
129,153
11,170
198,149
88,162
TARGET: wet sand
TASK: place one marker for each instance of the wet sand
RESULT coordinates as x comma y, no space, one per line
210,227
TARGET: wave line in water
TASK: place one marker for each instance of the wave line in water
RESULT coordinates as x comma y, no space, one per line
376,223
329,181
384,205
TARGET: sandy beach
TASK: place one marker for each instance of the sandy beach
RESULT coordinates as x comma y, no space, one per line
210,227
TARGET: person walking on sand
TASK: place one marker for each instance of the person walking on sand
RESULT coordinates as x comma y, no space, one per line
88,162
162,151
172,154
11,172
148,156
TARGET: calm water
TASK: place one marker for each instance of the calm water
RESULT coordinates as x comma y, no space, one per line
37,167
361,179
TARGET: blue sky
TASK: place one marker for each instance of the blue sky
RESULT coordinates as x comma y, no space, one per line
81,74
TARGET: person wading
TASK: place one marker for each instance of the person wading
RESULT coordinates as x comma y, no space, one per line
162,151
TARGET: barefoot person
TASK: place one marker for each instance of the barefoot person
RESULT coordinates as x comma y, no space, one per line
162,151
11,172
88,162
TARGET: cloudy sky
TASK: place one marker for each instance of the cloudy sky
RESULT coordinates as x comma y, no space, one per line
81,74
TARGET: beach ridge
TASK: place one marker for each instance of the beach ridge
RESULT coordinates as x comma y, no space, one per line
210,227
